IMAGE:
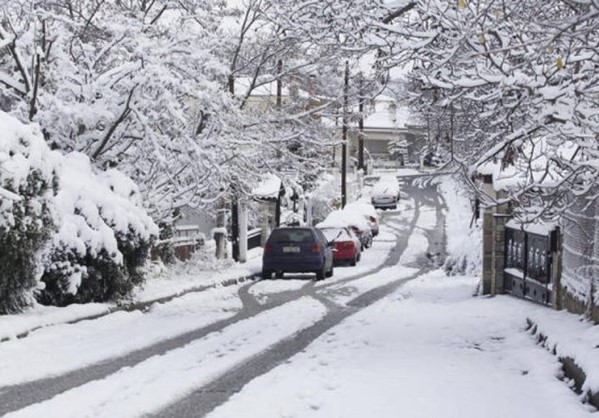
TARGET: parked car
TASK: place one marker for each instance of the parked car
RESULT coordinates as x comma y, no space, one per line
385,193
348,219
371,180
347,246
297,250
368,211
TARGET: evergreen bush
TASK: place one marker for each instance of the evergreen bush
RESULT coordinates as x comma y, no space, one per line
22,240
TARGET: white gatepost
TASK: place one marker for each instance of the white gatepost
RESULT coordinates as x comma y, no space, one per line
242,216
308,211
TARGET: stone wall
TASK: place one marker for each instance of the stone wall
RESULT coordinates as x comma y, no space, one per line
580,276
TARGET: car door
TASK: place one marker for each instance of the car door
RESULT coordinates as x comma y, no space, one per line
328,251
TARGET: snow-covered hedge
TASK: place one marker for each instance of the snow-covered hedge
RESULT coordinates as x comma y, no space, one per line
89,232
26,224
103,236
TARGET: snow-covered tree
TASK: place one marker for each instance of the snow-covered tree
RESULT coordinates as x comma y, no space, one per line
529,70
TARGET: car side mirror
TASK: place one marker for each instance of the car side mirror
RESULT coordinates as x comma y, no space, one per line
330,243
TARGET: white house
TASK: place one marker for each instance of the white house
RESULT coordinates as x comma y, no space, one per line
388,120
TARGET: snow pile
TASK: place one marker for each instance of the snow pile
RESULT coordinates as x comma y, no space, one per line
464,236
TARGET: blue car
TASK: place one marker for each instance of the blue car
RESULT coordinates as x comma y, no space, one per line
297,250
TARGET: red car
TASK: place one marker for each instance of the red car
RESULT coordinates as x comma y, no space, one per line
347,247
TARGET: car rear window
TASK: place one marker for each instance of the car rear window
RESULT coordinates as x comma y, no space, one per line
292,235
335,234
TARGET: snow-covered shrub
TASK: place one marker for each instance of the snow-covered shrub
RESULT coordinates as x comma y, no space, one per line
26,188
103,238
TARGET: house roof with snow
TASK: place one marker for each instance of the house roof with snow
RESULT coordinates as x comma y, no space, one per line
386,114
268,189
264,87
533,164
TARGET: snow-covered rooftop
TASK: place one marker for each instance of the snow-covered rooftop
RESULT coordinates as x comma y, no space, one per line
268,88
269,188
386,114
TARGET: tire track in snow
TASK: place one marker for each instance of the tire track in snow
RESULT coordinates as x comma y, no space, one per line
163,379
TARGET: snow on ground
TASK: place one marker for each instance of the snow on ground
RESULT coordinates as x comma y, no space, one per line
399,172
41,316
343,293
418,242
429,350
45,353
264,288
161,282
572,336
160,380
185,276
417,245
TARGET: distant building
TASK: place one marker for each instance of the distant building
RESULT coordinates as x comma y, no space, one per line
391,133
261,93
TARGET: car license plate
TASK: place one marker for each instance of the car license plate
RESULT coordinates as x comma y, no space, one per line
291,249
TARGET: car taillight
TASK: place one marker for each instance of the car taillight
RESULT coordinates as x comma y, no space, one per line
316,248
267,249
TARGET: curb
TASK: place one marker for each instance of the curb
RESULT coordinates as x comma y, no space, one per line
572,371
135,306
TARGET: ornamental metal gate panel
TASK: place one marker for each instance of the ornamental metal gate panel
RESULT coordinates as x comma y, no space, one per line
528,261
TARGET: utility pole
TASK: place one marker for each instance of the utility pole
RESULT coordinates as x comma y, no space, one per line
234,200
279,83
235,223
361,127
344,137
451,138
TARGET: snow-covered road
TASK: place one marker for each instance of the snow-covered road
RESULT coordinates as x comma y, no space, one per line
428,350
390,337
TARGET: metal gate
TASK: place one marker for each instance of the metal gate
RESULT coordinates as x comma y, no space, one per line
528,263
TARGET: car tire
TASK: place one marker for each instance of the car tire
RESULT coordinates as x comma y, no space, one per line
320,274
266,274
279,274
330,272
354,261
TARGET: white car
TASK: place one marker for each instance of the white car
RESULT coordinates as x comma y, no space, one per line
385,193
368,212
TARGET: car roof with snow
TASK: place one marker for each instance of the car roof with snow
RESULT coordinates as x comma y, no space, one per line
341,219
